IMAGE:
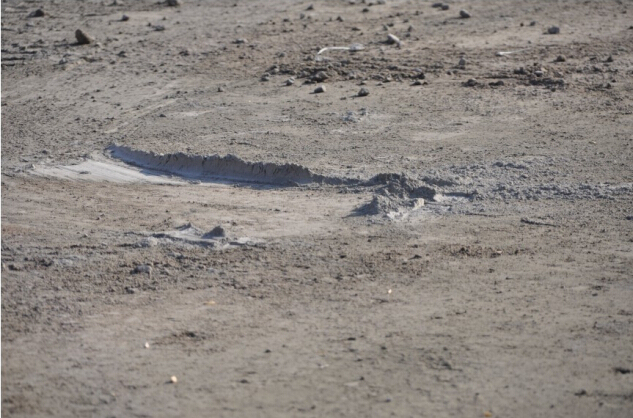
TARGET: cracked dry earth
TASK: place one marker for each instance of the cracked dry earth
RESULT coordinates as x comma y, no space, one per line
186,232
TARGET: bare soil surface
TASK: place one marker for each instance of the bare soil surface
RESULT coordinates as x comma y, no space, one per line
188,229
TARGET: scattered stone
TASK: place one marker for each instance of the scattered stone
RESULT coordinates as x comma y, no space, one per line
320,89
471,82
174,3
363,92
265,77
159,28
173,379
320,76
464,14
393,39
240,41
560,58
437,5
553,30
310,7
538,73
37,13
340,19
610,59
462,63
220,89
417,83
445,7
125,18
496,83
143,268
83,38
290,81
217,232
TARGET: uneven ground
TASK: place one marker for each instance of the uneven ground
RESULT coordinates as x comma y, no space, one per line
508,293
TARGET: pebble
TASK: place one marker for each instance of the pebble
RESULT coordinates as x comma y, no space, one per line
393,39
320,76
125,18
290,81
320,89
553,30
218,231
220,89
462,62
437,5
464,14
143,268
538,73
174,3
240,41
471,82
445,7
83,38
560,58
173,379
610,59
265,77
37,13
363,92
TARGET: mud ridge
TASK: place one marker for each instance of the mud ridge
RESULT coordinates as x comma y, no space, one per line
229,167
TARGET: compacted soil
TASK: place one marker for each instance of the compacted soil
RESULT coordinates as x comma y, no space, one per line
190,229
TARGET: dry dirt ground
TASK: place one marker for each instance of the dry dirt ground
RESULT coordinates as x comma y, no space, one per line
439,247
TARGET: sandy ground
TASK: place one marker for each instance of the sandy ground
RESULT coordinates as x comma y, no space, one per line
458,242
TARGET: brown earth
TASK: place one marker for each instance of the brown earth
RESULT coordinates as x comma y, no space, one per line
509,293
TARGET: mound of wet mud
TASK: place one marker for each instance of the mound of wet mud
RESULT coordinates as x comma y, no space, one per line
228,167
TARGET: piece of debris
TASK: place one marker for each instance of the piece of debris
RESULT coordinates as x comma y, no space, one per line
393,39
363,92
320,89
464,14
83,38
553,30
37,13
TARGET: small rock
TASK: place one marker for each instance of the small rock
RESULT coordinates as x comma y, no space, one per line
83,38
462,62
174,3
320,76
146,344
393,39
464,14
220,89
363,92
496,83
560,58
553,30
265,77
437,5
610,59
173,379
445,7
340,19
310,7
471,82
240,41
417,83
125,18
37,13
216,232
159,28
533,23
320,89
290,81
538,73
143,268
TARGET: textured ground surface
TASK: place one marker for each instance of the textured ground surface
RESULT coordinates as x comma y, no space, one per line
508,293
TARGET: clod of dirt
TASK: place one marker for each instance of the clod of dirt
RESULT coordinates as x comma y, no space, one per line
553,30
320,89
37,13
83,38
363,92
464,14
